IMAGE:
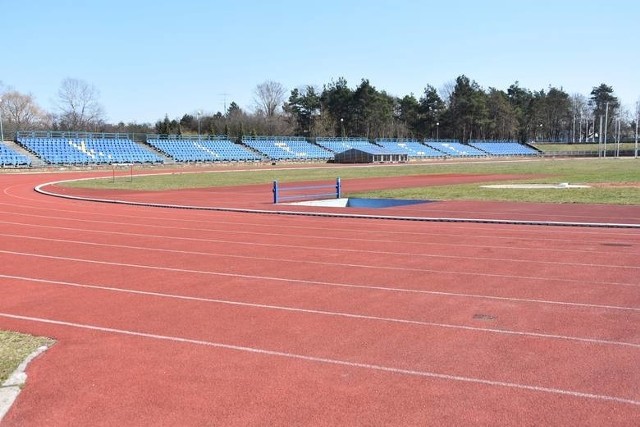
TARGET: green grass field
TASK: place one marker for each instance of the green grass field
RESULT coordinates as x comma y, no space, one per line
590,147
14,348
613,181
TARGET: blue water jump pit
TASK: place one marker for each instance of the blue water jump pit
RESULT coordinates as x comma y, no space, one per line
352,202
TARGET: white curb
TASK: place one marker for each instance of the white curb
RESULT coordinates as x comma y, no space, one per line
10,389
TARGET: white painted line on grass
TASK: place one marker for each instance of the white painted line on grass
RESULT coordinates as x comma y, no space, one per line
337,362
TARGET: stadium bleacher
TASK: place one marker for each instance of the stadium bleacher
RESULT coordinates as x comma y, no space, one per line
413,148
201,149
503,148
287,148
340,144
85,149
454,148
9,157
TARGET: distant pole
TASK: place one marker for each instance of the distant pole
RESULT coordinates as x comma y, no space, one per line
606,122
574,128
437,131
599,136
637,119
199,114
1,130
618,138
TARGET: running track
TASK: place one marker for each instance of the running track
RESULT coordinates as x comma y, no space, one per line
183,317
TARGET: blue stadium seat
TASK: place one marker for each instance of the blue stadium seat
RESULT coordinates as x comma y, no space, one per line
206,149
287,148
412,148
503,148
91,149
10,157
454,148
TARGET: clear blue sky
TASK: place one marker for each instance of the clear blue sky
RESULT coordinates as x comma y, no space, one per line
149,58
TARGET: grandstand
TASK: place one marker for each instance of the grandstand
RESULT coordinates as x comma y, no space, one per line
201,148
74,148
503,148
340,144
411,147
286,148
10,157
454,148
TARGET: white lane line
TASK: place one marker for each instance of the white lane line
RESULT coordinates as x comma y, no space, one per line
323,360
316,236
334,247
323,312
383,267
328,284
310,261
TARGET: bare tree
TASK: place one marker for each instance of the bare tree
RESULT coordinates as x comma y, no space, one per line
446,92
268,97
79,106
21,112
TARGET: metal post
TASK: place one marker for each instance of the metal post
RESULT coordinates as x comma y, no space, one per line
338,188
637,118
599,136
618,139
606,122
1,130
199,115
275,192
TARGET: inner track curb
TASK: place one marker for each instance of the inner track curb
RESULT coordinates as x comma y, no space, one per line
41,189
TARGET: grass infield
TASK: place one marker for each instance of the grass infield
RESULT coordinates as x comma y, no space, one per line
612,181
14,348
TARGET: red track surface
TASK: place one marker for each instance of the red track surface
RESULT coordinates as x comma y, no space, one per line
181,317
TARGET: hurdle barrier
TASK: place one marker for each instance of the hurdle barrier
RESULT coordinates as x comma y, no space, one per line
306,192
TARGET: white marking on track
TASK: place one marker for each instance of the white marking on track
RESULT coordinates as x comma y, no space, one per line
275,224
310,261
405,242
336,362
323,312
320,283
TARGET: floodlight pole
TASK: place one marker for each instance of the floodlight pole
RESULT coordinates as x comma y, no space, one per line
199,114
2,130
606,121
599,135
637,119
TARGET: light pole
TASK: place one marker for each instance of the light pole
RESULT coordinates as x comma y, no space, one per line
637,119
199,114
2,131
606,122
342,126
540,135
437,131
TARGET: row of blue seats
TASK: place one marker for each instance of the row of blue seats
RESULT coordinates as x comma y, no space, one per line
413,149
187,150
338,145
504,148
9,157
286,149
88,151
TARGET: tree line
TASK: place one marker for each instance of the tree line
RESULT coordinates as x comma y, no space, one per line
460,109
